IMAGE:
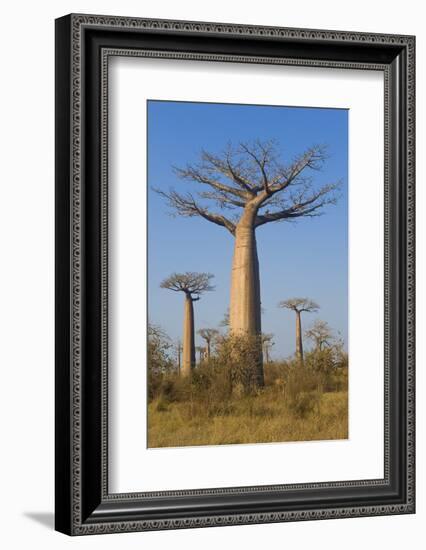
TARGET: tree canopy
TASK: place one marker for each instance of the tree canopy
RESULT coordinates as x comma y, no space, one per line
320,333
299,304
208,334
252,174
267,338
193,284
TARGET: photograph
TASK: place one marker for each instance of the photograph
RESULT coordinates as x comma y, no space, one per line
247,269
234,274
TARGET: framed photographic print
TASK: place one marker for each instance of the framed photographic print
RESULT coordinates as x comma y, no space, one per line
234,274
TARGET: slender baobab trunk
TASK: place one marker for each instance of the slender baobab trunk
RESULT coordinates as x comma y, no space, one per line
244,311
266,352
208,350
179,351
201,355
299,344
188,351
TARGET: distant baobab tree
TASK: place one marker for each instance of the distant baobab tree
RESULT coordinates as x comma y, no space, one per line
256,187
320,333
192,285
201,353
208,334
267,343
179,354
298,305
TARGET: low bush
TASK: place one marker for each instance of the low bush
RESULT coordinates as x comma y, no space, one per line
239,357
221,402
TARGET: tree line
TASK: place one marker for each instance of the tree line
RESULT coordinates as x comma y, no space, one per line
319,333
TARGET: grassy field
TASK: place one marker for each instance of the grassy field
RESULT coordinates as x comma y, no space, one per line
264,418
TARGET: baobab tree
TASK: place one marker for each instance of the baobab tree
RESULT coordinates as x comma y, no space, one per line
267,343
201,353
299,305
252,184
208,334
179,354
192,285
320,333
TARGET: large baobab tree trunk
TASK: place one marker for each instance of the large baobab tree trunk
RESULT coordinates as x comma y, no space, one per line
299,344
244,311
188,344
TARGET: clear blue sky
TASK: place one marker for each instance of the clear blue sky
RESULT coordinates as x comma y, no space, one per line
307,258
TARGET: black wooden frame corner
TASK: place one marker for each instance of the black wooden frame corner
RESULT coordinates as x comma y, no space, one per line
84,44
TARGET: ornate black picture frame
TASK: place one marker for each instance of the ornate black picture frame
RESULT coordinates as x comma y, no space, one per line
83,503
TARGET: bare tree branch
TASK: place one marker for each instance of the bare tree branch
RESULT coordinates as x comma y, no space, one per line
185,205
221,199
320,333
199,174
261,160
227,168
309,207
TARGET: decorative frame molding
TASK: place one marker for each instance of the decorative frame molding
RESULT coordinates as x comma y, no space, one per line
84,44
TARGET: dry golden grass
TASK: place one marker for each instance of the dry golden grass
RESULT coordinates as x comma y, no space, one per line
264,418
